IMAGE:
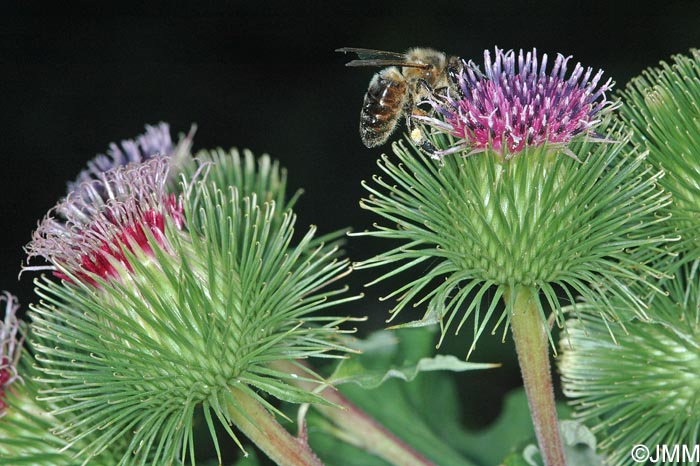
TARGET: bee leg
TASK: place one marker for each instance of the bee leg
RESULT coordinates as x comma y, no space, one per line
417,135
413,131
426,146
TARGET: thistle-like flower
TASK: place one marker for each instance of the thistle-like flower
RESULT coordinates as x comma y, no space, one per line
10,347
515,104
547,205
663,106
175,304
548,210
644,388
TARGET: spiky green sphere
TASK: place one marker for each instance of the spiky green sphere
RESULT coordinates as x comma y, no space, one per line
663,107
542,220
172,303
644,387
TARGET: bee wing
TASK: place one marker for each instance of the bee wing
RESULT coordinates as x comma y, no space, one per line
387,63
367,54
369,57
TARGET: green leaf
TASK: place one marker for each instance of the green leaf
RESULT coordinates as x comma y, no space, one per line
383,346
334,452
411,411
423,413
511,431
250,460
389,359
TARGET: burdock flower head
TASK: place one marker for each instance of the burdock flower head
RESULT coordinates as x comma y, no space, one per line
173,304
516,102
535,192
10,347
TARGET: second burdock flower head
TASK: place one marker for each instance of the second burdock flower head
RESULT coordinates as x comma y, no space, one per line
176,301
535,189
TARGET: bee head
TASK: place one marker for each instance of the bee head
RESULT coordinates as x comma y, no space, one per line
433,75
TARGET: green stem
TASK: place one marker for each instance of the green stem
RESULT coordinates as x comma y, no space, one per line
532,345
368,434
262,429
358,427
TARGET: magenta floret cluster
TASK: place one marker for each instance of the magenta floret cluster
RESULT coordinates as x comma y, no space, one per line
516,102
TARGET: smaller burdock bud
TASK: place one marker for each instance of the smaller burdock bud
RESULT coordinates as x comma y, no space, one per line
530,194
10,347
26,432
178,304
25,421
155,142
517,102
644,387
663,107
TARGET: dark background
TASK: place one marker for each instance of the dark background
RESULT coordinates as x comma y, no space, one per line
264,76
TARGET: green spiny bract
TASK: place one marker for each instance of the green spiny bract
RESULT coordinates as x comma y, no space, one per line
644,387
219,289
260,176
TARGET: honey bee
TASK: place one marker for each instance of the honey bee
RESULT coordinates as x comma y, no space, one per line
396,92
